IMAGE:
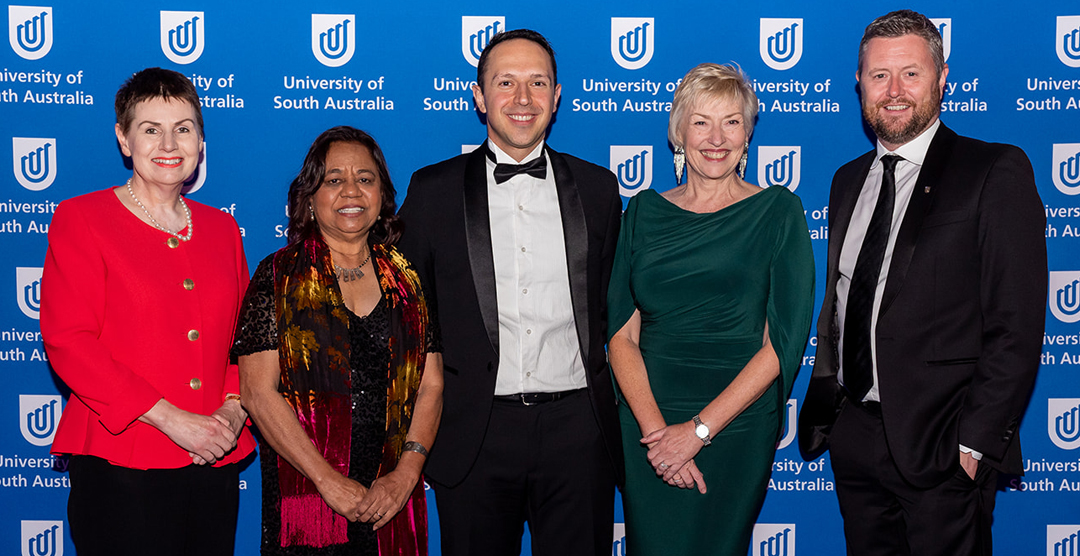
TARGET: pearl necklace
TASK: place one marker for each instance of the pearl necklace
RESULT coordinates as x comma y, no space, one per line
350,274
187,216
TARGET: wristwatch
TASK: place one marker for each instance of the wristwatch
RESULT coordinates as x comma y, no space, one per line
702,430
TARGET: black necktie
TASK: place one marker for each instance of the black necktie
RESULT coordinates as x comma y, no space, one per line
858,359
536,168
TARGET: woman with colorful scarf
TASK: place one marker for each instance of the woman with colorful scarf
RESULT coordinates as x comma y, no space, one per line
340,366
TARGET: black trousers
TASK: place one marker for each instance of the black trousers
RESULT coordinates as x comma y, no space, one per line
117,511
884,515
544,464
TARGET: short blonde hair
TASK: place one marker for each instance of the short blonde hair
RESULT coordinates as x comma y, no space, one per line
713,82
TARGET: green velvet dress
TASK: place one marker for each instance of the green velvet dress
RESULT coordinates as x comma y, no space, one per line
706,284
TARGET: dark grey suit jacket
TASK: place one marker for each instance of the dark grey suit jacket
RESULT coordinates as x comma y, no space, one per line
959,332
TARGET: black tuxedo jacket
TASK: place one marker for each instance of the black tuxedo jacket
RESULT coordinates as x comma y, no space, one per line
448,239
960,327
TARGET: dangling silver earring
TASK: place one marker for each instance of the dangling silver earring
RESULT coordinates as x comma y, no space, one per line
312,210
680,161
742,163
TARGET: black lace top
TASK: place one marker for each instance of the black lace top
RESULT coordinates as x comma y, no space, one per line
369,337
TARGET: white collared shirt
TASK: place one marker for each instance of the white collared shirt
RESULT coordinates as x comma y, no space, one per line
538,343
906,173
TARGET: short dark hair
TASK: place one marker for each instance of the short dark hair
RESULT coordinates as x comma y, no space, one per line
527,34
905,22
387,229
152,83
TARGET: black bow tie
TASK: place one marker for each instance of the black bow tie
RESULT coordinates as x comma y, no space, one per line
536,168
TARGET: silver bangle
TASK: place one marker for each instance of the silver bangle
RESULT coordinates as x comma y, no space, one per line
414,446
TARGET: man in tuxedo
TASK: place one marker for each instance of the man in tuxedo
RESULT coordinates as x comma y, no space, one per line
514,244
930,333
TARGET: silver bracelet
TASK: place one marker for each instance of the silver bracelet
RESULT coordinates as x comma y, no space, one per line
413,446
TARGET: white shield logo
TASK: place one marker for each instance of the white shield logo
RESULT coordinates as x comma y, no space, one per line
30,31
38,416
1063,422
28,290
781,42
34,161
632,41
944,26
1066,168
1065,295
779,166
632,164
182,36
1067,40
333,38
774,539
1062,540
789,424
42,538
476,31
198,178
618,543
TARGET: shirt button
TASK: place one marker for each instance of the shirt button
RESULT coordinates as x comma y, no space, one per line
521,207
523,249
525,291
528,330
173,243
528,374
195,384
189,284
193,335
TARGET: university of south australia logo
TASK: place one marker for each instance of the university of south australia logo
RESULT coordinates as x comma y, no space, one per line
1065,171
632,164
197,178
34,161
182,36
1067,40
42,538
781,42
1065,295
1062,540
30,31
1063,422
944,27
28,290
632,41
476,31
790,424
779,166
773,539
38,416
333,38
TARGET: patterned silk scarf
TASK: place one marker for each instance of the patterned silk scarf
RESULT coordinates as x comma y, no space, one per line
313,352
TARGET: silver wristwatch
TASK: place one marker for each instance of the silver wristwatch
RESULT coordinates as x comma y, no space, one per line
702,430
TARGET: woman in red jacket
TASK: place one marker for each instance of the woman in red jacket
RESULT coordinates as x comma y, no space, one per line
137,318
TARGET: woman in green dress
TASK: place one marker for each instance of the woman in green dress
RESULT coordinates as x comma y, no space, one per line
710,305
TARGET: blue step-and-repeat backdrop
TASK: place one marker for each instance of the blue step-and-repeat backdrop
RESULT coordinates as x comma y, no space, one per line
272,75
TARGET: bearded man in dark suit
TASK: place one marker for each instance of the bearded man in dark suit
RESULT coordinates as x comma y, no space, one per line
514,244
930,334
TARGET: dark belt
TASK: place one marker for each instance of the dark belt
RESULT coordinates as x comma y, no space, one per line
873,408
536,398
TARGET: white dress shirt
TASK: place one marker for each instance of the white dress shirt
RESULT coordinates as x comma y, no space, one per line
907,173
538,342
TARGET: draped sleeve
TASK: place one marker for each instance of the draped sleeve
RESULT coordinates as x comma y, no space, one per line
620,298
790,303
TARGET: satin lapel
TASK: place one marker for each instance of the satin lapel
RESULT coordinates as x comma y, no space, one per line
478,236
937,156
576,239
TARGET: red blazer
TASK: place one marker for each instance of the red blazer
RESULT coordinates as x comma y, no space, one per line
124,327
